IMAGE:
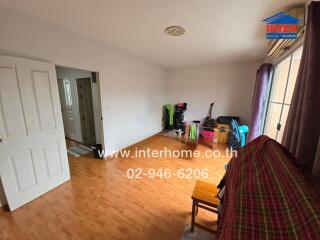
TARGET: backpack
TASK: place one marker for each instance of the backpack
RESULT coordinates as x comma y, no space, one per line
234,140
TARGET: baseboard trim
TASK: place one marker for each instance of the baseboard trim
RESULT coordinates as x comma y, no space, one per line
133,145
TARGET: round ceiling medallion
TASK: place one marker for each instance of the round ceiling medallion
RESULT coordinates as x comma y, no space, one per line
175,31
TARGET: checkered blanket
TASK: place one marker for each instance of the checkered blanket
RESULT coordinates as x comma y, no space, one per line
267,196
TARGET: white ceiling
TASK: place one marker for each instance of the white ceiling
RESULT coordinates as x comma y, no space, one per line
216,31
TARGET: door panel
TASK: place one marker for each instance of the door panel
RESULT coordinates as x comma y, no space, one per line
68,95
33,151
53,159
68,112
24,170
71,125
43,100
12,119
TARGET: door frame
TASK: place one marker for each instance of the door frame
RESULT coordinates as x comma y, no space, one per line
289,54
101,127
82,102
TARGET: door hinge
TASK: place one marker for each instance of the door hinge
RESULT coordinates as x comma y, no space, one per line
278,126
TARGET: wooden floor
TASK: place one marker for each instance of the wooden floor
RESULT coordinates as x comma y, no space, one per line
100,202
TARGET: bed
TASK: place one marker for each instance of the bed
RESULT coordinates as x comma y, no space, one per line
267,196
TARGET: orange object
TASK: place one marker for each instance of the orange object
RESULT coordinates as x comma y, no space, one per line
204,196
206,193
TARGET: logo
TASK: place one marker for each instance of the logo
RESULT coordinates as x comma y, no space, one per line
281,26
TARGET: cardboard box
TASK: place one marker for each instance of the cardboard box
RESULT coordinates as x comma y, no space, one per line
223,132
223,126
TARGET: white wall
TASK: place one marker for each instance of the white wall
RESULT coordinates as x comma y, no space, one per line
132,89
230,86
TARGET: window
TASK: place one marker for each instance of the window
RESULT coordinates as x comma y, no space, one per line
284,79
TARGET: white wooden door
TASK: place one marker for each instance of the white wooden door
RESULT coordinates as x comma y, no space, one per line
33,157
65,90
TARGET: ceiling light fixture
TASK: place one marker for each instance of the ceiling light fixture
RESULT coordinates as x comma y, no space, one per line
175,31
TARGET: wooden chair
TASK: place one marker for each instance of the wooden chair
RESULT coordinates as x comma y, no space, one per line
204,196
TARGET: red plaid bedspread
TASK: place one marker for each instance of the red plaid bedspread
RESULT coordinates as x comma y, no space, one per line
267,196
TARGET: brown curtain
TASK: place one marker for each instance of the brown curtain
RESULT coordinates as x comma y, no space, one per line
302,130
316,165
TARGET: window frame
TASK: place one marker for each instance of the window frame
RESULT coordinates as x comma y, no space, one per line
279,60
